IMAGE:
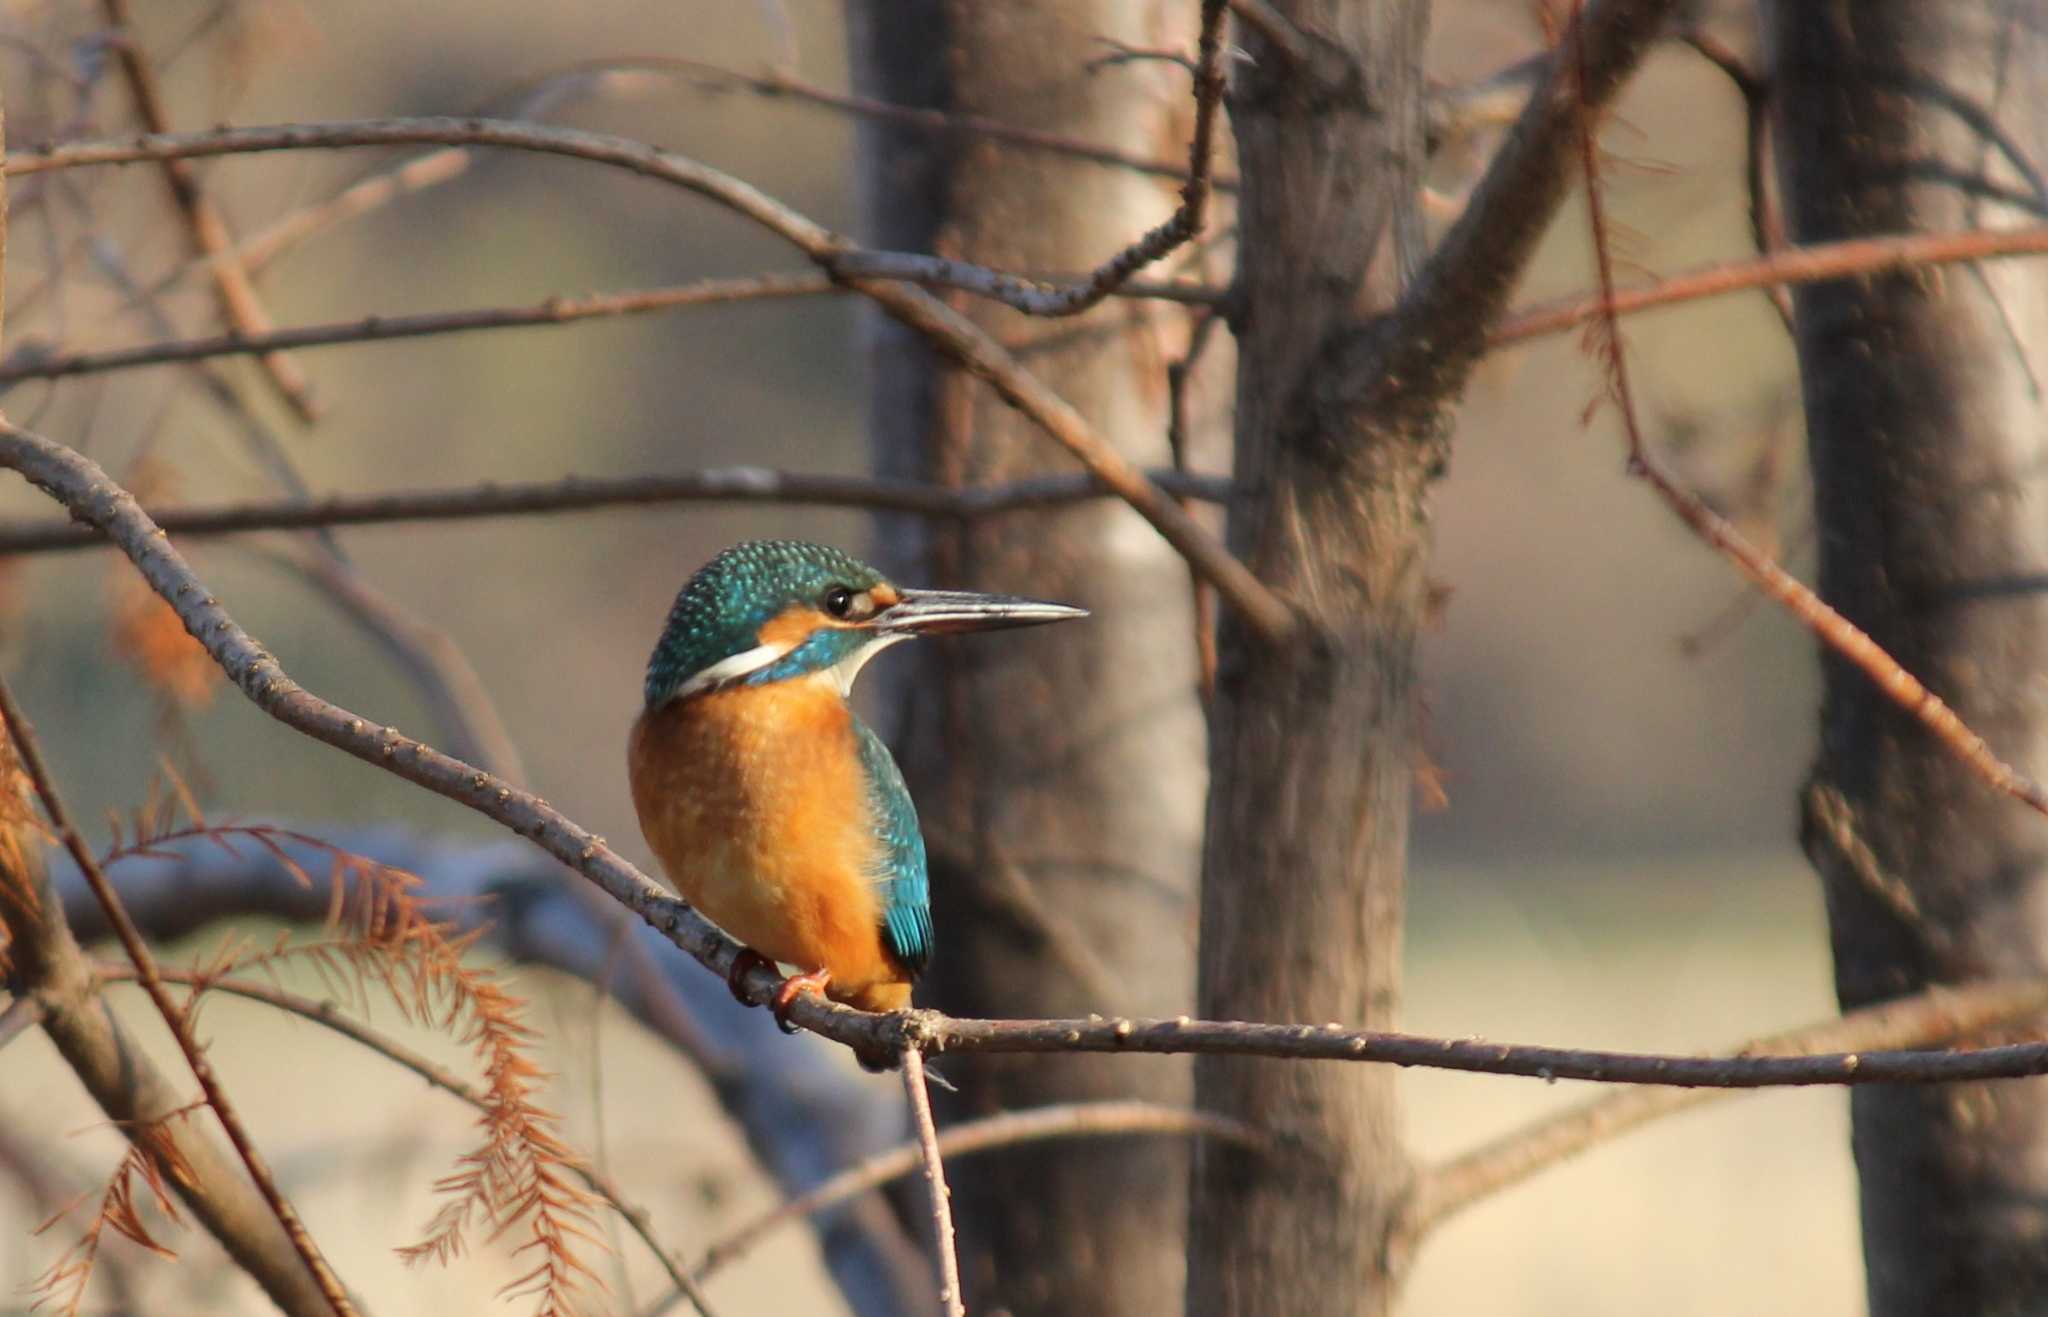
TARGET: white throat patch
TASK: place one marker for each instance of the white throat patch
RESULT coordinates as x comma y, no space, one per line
845,670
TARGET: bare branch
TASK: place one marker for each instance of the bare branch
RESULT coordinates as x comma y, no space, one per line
948,1261
1003,1130
1077,297
33,360
737,484
1934,1016
80,485
936,123
443,674
209,230
948,331
1766,225
25,746
1809,609
1791,265
1418,356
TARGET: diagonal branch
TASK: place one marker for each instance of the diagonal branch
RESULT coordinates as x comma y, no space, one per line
952,334
1074,298
1788,266
25,746
1937,1015
81,486
1417,358
238,300
1837,632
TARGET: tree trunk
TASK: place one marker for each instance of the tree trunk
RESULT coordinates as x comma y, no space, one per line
1308,814
1059,774
1929,442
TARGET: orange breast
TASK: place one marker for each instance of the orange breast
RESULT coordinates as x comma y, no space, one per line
753,800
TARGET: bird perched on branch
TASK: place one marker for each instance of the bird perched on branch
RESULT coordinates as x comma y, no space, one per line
772,808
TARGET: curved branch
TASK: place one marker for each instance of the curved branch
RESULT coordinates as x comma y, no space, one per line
1072,1120
81,486
945,329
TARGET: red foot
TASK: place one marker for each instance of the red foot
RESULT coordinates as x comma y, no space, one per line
793,987
742,965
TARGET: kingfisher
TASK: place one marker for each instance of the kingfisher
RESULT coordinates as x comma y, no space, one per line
771,807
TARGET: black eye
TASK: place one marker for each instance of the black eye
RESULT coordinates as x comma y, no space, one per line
839,601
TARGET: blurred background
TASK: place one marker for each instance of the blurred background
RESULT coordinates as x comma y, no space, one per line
1618,734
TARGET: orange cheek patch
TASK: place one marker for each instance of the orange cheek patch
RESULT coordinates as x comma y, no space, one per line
885,595
792,626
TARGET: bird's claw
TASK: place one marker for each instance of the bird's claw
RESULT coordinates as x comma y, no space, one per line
793,987
742,965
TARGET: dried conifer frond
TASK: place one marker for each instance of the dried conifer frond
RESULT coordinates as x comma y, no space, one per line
380,930
150,1160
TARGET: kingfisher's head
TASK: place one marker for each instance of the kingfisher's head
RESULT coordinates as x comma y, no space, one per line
775,610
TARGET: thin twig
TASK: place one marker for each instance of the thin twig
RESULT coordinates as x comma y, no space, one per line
445,677
738,484
1766,226
1074,298
30,752
35,360
1936,1015
948,1261
534,101
936,123
1791,265
79,484
209,230
1270,618
330,1016
1005,1129
1830,627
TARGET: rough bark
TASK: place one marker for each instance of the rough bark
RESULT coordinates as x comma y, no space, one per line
1928,435
1059,774
1308,814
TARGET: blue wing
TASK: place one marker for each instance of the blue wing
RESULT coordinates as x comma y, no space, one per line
905,889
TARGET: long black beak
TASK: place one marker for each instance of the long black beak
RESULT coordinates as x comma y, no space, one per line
942,612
